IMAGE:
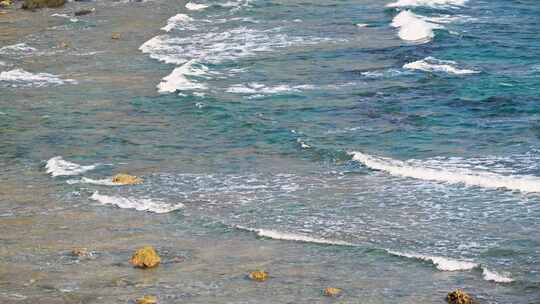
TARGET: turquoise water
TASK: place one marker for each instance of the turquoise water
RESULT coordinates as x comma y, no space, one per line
307,122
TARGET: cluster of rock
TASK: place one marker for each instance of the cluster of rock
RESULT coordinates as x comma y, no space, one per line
147,257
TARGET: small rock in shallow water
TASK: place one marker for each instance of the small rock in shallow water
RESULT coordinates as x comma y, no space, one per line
81,252
33,4
84,12
145,257
259,276
63,45
115,36
126,179
459,297
147,300
332,292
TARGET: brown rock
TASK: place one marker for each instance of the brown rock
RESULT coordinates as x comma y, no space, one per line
259,276
145,257
147,300
332,292
115,36
81,252
33,4
459,297
126,179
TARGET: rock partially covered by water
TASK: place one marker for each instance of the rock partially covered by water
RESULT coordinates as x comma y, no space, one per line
33,4
459,297
81,252
147,300
332,292
259,276
145,257
126,179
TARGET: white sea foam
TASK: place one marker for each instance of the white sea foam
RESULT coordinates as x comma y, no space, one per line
442,263
179,80
428,3
66,16
413,28
425,170
180,21
86,180
431,64
195,6
16,49
261,89
219,46
57,166
490,275
285,236
19,77
139,204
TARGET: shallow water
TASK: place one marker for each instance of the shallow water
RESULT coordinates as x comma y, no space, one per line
387,148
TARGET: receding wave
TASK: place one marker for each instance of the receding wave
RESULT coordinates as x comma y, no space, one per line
442,263
22,78
86,180
413,28
490,275
431,64
447,264
17,49
287,236
416,169
139,204
57,166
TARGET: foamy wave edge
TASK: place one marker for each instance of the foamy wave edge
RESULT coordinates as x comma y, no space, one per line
447,264
432,64
286,236
139,204
394,167
441,263
57,166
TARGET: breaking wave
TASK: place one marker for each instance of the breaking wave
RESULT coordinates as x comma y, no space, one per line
139,204
448,174
57,166
286,236
22,78
413,28
431,64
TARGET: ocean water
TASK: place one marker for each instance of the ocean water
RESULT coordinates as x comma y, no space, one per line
390,147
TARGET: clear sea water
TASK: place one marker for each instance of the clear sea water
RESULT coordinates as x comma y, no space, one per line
388,148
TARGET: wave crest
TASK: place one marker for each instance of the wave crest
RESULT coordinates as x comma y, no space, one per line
525,183
57,166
